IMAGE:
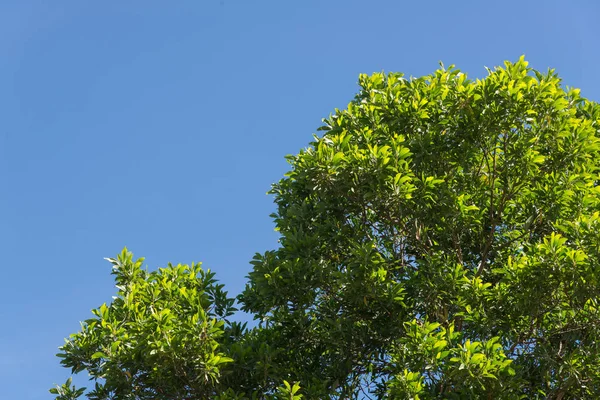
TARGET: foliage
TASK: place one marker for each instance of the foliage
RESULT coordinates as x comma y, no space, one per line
160,336
440,240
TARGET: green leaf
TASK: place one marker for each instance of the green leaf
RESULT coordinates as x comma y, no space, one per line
98,354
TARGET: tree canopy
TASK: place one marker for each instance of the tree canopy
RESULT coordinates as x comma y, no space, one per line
440,239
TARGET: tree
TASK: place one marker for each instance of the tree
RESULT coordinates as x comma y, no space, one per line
441,239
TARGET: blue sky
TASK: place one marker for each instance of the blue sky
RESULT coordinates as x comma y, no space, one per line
160,126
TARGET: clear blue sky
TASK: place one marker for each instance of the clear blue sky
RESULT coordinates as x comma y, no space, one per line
160,126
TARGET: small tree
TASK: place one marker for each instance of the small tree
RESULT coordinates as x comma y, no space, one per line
440,240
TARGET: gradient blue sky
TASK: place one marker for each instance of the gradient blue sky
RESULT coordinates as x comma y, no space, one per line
160,126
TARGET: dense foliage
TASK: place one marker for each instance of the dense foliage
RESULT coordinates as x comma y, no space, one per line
440,240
